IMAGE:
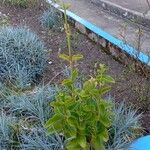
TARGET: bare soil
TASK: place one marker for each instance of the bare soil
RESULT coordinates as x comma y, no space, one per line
129,85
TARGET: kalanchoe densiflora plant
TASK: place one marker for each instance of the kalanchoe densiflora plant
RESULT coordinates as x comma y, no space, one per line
82,115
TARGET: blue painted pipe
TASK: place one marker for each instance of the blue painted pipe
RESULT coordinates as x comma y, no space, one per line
141,144
119,43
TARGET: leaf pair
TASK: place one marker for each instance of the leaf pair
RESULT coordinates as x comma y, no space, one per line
68,58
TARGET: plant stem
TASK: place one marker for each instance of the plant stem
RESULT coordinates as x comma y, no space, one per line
68,34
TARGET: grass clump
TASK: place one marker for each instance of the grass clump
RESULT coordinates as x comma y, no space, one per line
52,19
7,140
22,56
33,106
22,118
125,127
37,139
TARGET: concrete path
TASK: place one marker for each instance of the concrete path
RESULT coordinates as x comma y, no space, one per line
118,27
137,5
135,10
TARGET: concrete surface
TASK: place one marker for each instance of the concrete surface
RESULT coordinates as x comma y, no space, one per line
119,28
136,5
135,10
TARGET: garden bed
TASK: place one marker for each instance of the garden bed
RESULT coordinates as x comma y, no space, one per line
92,53
129,86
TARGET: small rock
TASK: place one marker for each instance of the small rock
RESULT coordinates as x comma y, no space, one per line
50,62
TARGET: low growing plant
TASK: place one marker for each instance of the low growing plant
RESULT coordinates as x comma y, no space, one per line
6,131
82,115
37,139
33,106
22,56
126,127
52,19
22,116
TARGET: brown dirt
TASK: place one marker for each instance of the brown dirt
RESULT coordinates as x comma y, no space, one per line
127,84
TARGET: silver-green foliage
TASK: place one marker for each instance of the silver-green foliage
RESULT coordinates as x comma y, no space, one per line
6,130
34,138
22,55
38,139
23,129
35,105
52,19
125,128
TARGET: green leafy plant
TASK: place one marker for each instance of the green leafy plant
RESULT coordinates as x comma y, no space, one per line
82,115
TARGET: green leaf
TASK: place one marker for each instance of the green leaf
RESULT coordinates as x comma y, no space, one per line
57,128
104,90
70,58
77,57
64,57
57,103
90,85
82,140
67,82
100,128
105,121
105,79
94,92
102,69
73,145
73,121
53,120
87,108
98,144
83,94
104,135
74,74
